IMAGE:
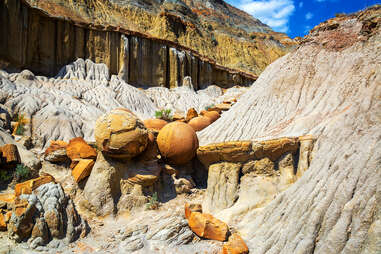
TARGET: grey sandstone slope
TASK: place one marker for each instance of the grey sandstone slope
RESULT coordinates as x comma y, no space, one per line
333,93
67,105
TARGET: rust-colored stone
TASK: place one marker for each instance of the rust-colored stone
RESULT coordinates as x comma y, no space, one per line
82,169
199,123
30,185
10,154
177,143
155,124
206,226
235,245
190,208
79,149
192,113
212,115
56,152
8,198
3,225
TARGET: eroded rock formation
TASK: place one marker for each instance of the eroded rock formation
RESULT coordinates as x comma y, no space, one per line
330,88
213,28
44,43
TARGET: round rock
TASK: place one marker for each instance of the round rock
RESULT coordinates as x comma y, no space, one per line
120,134
177,143
199,123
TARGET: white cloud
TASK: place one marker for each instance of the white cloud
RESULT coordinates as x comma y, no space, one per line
275,13
301,4
309,16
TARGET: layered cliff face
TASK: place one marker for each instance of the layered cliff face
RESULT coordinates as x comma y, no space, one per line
331,88
213,28
43,44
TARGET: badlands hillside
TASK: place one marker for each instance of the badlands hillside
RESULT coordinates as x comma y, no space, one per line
118,156
45,35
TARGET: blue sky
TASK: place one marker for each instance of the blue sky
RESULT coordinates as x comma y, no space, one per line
297,17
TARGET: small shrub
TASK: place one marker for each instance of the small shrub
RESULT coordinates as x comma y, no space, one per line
164,114
20,124
209,106
153,202
253,36
22,172
5,176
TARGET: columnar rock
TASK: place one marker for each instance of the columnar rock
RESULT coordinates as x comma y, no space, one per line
102,189
177,143
120,134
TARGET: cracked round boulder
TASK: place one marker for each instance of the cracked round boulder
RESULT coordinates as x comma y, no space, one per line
177,143
120,134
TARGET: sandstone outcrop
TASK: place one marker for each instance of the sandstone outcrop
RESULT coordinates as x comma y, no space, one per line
329,88
120,134
177,143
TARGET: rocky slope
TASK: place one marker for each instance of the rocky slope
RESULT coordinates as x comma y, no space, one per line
330,87
83,29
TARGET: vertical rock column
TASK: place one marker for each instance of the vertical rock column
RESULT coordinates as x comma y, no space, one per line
124,59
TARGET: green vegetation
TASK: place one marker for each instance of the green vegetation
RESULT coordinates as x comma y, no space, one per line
20,124
209,106
22,172
153,202
5,176
164,114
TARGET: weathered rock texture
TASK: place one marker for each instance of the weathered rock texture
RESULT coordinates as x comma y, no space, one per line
44,40
68,105
243,175
329,87
215,29
44,215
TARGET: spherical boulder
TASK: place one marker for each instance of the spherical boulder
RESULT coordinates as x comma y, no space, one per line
212,115
120,134
177,143
155,124
199,123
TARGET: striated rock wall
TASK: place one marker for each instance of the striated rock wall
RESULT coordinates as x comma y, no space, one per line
43,44
331,88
